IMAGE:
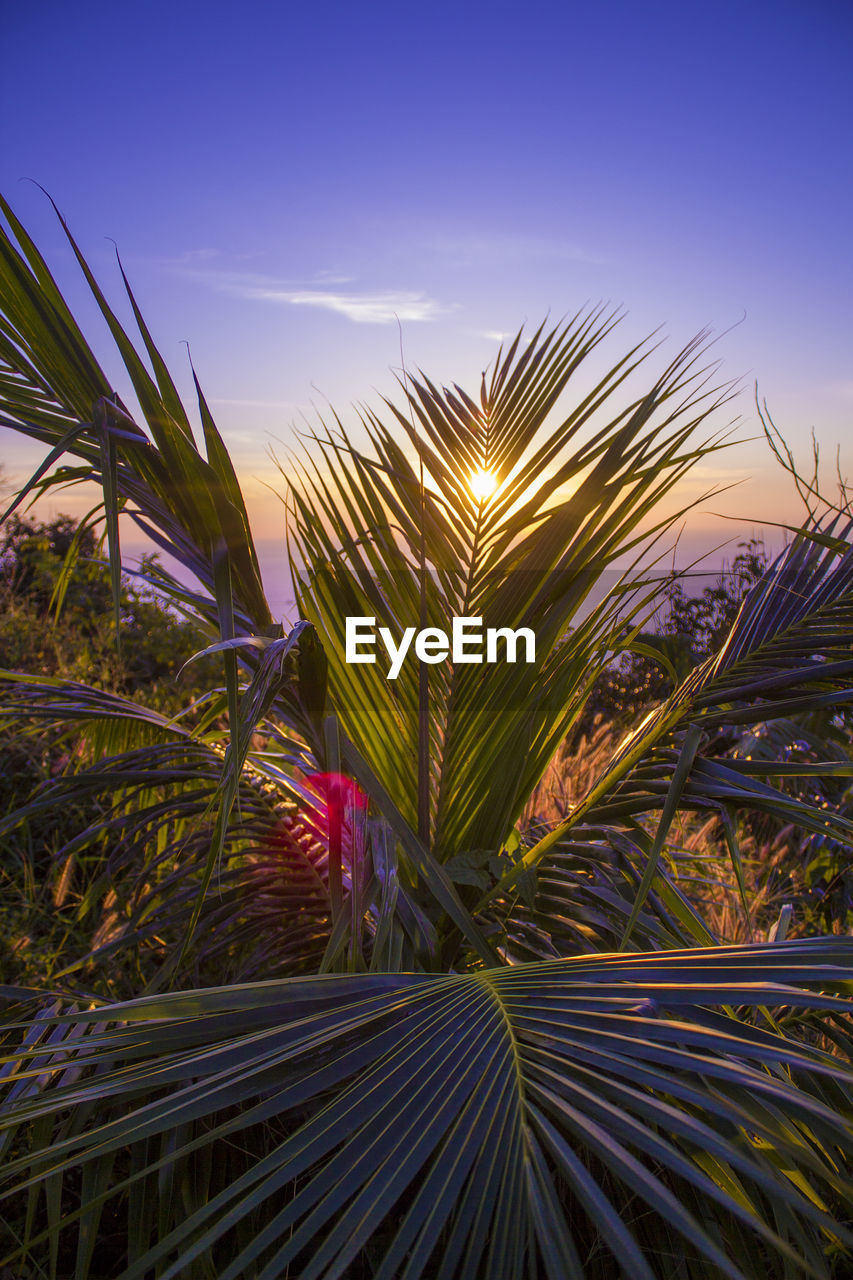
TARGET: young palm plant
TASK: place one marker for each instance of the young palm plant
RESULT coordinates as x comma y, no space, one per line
409,1099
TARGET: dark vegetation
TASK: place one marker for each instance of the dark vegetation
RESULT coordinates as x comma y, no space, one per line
691,625
57,615
57,620
540,971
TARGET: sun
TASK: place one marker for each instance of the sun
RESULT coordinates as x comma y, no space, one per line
483,484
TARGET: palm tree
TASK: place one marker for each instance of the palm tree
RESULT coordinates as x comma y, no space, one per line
493,1052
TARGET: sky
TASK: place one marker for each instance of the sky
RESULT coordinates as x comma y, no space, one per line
284,182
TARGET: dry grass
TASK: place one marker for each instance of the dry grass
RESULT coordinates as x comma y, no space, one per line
772,857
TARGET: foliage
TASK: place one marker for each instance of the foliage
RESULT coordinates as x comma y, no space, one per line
520,1120
689,628
57,621
57,616
403,1097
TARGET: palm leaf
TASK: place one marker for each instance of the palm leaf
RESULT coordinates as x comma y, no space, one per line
504,1123
785,656
55,391
528,557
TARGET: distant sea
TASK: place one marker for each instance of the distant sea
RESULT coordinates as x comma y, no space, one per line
272,555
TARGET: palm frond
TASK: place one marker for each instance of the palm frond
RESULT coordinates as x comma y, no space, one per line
570,501
55,391
525,1121
787,655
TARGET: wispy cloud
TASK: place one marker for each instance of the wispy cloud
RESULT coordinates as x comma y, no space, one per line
327,291
361,308
493,335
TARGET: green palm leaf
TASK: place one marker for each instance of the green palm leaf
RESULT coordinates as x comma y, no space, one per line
570,501
516,1122
787,654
